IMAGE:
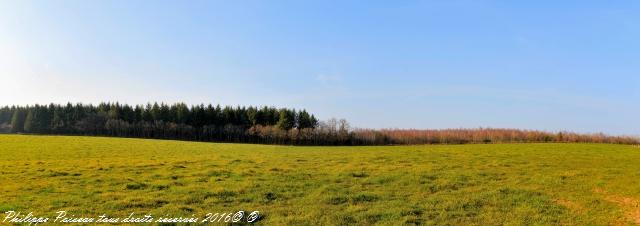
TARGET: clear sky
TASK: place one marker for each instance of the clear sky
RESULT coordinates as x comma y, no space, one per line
550,65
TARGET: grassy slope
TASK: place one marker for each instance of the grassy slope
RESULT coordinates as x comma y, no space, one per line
457,184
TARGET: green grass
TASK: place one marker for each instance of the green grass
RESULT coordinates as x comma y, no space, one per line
494,184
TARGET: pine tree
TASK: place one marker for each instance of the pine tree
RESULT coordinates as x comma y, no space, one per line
57,121
5,115
44,120
252,115
286,119
155,112
176,121
181,112
211,115
165,113
227,115
305,120
29,122
147,115
17,121
137,112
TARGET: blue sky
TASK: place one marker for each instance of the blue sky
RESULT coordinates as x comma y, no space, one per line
550,65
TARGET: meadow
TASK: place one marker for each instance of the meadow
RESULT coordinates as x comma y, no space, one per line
474,184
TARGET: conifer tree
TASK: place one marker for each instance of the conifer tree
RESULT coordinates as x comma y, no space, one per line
305,120
29,122
286,119
17,121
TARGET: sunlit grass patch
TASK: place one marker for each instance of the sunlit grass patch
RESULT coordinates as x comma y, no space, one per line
493,184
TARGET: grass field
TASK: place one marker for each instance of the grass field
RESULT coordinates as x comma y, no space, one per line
493,184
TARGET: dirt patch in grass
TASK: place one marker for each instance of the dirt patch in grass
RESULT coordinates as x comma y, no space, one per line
630,206
571,205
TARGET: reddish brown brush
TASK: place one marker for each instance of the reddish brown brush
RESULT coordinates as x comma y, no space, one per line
481,135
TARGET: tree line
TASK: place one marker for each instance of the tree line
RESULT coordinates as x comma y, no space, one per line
481,135
164,121
268,125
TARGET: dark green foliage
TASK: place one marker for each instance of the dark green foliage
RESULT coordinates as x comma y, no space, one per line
306,120
337,200
361,198
250,125
359,174
136,186
5,119
17,120
5,115
38,119
157,120
270,197
286,119
29,122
